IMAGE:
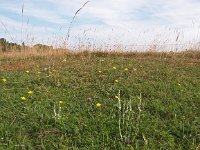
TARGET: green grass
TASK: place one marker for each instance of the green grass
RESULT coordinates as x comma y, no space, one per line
158,105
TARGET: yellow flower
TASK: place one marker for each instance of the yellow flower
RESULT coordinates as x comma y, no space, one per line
114,68
27,71
125,69
65,60
30,92
23,98
4,80
116,81
60,102
117,97
98,105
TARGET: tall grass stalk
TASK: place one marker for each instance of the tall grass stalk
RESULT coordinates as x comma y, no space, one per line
70,25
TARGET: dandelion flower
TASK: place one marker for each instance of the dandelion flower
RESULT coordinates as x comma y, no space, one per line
4,80
98,105
30,92
114,68
117,97
125,69
60,102
23,98
65,60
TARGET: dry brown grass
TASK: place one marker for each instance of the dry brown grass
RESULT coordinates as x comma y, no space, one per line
31,57
32,52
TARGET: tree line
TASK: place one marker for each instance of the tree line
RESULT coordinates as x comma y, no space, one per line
6,46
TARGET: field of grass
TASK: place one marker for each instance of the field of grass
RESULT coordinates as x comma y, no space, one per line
100,101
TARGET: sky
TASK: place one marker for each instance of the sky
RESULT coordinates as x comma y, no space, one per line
118,24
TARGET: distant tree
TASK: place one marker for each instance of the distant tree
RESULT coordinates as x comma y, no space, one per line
13,46
9,46
23,44
42,47
3,44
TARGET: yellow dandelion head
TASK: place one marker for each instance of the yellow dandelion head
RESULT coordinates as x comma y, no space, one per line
61,102
23,98
4,80
65,60
125,69
117,97
30,92
98,105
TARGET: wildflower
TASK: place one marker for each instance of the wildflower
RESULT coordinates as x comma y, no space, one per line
4,80
98,105
114,68
23,98
27,71
60,102
30,92
125,69
117,97
116,81
65,60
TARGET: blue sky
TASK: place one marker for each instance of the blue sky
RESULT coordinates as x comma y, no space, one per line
119,22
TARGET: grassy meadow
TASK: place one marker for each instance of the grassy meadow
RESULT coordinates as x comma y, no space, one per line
100,100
